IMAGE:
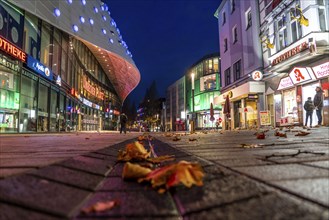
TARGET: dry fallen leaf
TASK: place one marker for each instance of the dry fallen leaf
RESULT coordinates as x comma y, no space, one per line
302,133
134,151
260,135
100,207
161,159
134,171
280,134
171,175
176,138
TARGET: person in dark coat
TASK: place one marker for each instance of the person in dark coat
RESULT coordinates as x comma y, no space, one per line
123,122
309,107
318,103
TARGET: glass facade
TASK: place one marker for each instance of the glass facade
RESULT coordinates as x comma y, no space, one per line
75,98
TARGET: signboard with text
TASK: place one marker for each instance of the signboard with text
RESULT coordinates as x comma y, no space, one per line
285,83
265,118
321,70
39,68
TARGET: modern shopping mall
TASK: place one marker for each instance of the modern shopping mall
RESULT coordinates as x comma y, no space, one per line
64,66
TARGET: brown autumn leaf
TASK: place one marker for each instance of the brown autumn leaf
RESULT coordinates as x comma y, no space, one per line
302,133
168,176
192,139
100,207
260,135
161,159
176,138
134,151
280,134
134,171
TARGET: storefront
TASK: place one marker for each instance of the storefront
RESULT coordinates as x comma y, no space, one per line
300,84
9,94
245,103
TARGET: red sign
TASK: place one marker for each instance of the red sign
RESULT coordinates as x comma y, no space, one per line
12,50
299,75
321,70
290,53
257,75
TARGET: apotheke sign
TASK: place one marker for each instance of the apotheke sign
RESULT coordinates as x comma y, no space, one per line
39,68
289,53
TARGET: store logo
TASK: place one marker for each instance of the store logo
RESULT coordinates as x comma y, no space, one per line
257,75
321,70
299,75
39,67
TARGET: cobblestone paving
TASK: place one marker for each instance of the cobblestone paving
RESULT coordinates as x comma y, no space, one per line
240,183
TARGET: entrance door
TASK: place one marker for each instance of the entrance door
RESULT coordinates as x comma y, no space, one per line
237,106
309,91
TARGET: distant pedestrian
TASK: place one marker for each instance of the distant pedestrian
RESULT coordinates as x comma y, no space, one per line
318,103
309,107
123,123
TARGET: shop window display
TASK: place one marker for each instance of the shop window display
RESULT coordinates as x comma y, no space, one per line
43,109
290,105
9,101
27,122
54,113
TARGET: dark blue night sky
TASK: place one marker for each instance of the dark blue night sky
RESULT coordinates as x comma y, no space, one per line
165,37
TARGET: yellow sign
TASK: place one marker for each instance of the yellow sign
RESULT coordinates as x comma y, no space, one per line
265,118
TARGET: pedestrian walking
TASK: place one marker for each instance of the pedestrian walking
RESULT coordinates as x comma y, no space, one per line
123,123
318,104
309,107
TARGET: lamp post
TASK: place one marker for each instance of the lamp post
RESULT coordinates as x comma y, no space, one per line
192,124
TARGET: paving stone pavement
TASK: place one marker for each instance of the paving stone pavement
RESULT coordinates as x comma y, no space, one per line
240,183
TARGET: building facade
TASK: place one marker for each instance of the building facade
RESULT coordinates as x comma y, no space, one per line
175,110
63,66
241,57
189,99
295,57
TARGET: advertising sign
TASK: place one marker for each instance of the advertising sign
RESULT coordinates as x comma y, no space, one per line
321,70
285,83
257,75
39,68
265,118
299,75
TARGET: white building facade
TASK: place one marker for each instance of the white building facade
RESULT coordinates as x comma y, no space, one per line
241,55
295,57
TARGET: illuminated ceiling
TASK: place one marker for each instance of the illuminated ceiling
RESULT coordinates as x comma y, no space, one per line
123,75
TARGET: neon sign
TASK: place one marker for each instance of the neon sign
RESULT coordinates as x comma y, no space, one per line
39,68
12,50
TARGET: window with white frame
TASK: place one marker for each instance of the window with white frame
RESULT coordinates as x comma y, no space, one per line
322,15
235,34
282,33
225,45
248,18
223,18
232,3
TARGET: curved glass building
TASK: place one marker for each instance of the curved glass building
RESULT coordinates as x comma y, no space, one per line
63,66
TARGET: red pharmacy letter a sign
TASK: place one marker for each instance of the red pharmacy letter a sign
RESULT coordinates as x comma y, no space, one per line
299,76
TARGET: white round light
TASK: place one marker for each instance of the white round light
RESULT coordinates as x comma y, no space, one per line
91,21
75,28
57,12
82,19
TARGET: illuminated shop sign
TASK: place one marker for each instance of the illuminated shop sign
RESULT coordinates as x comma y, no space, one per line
4,61
95,91
39,68
299,75
12,50
87,102
257,75
321,70
290,53
285,83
